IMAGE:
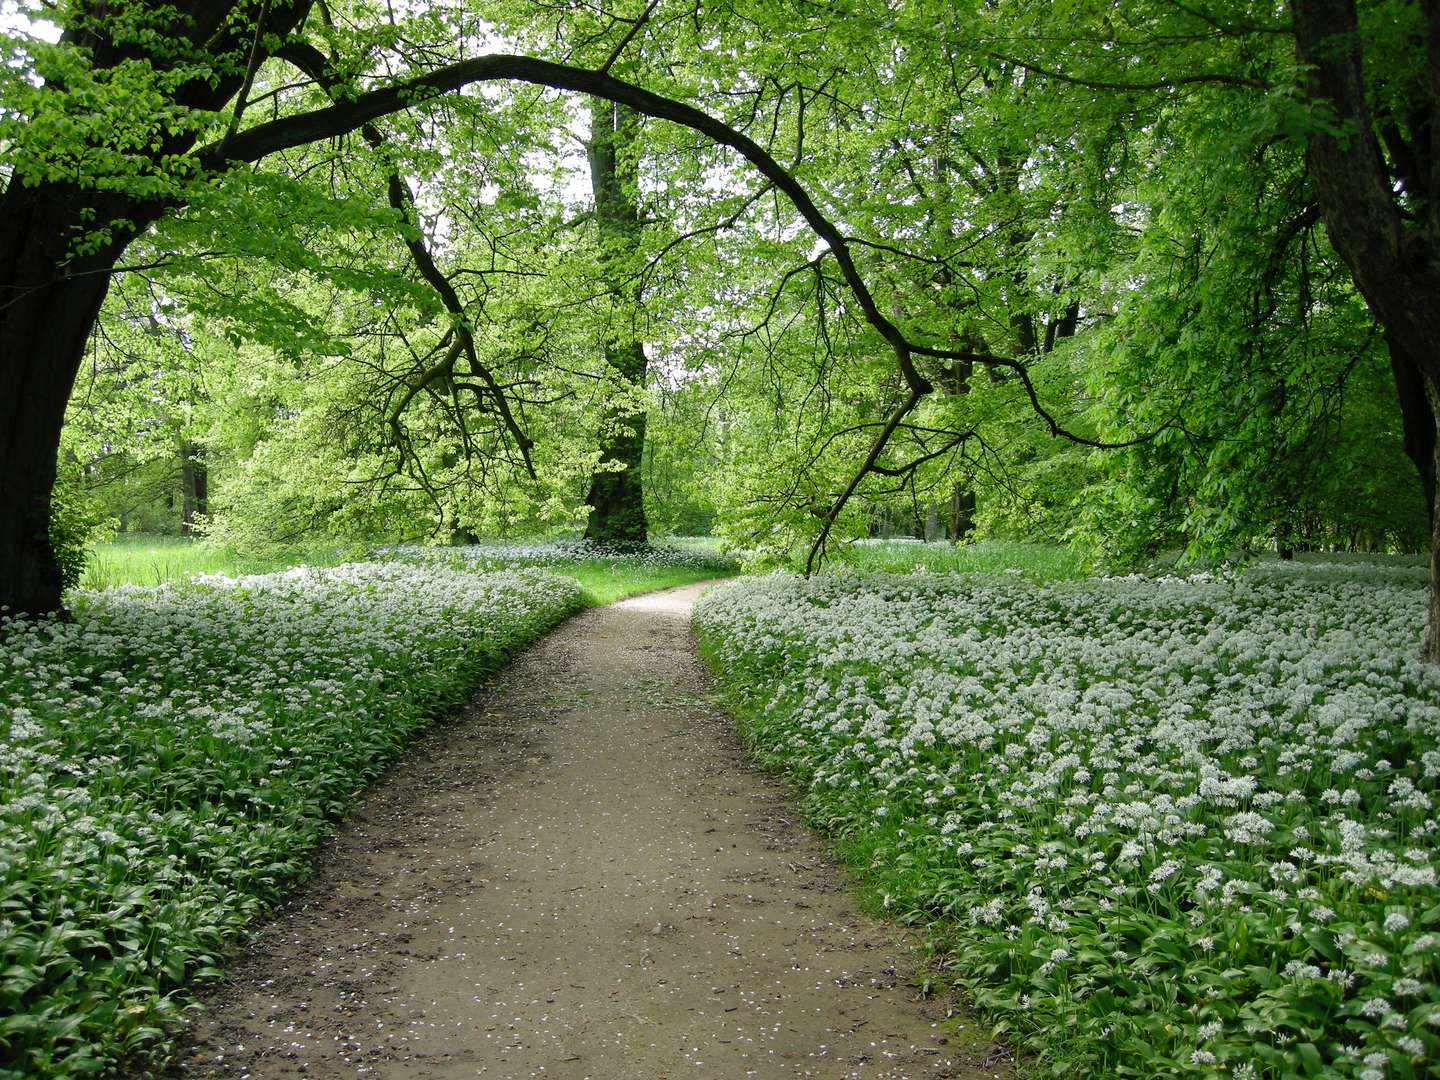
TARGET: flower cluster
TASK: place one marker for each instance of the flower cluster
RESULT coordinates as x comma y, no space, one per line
171,753
1161,826
498,554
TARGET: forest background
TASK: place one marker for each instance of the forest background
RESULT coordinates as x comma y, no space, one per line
1142,277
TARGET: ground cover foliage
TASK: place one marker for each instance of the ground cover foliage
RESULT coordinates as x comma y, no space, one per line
606,572
173,753
1174,826
499,554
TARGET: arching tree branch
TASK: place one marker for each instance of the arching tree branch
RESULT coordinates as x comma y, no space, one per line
346,116
314,63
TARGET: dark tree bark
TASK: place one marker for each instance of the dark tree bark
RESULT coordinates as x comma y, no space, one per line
1418,421
616,497
962,495
1391,249
48,304
194,486
962,513
1063,327
50,296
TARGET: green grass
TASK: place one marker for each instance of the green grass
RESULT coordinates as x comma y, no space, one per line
144,559
605,582
1039,562
713,545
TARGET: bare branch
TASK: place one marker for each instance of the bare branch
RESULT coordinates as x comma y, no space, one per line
629,37
402,200
1219,78
817,547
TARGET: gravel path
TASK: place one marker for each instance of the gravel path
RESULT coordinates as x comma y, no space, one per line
580,876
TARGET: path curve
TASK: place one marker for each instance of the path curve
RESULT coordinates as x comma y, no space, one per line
579,875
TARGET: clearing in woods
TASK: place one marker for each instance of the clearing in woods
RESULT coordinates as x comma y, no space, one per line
580,875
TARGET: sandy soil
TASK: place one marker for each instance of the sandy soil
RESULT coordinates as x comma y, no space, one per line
579,875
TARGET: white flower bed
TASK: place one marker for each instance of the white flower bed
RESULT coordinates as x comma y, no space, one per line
498,554
1167,826
171,754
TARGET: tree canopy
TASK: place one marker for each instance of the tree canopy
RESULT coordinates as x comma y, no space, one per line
1144,276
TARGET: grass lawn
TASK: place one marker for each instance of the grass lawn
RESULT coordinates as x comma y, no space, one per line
142,559
603,582
1038,562
146,559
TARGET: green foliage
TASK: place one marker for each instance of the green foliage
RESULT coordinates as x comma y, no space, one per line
77,521
170,785
1151,257
1142,837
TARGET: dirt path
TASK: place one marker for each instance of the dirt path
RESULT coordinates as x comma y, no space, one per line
580,876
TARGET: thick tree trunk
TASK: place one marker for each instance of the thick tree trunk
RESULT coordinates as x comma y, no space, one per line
1393,253
962,496
1418,421
1432,626
616,497
48,305
50,296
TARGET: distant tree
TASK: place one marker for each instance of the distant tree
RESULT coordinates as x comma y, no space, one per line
142,112
616,497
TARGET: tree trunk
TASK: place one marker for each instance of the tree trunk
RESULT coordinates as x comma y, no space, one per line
50,296
48,304
616,497
962,496
194,487
1418,421
932,523
1392,251
962,513
1431,649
